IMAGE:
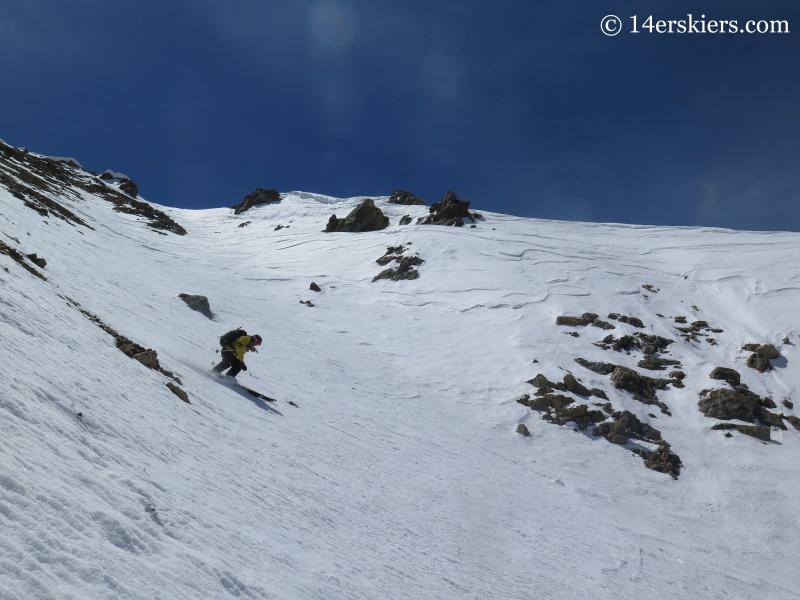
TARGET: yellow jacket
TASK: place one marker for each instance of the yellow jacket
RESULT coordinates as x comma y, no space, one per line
239,346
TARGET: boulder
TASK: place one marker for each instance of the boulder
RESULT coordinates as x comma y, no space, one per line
449,211
729,376
364,217
178,392
523,430
767,351
406,198
149,358
198,303
405,220
679,375
259,196
788,404
314,287
759,363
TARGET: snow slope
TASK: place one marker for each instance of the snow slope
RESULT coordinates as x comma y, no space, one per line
399,474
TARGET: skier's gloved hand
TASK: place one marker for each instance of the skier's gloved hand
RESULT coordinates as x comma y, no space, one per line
244,367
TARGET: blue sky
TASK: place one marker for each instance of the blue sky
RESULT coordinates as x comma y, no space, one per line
522,107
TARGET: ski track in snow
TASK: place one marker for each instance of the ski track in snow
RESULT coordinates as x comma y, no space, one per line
399,475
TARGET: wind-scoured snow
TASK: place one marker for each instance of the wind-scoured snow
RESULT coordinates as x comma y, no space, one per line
399,473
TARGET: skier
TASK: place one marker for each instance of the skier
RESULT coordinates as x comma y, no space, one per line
233,353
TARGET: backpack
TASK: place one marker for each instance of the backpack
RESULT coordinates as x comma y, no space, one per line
231,336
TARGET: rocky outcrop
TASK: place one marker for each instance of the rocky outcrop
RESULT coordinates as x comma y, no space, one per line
661,460
198,303
314,287
19,258
626,425
636,322
756,431
653,363
404,270
259,196
405,198
523,430
365,217
729,376
739,404
405,220
569,384
449,211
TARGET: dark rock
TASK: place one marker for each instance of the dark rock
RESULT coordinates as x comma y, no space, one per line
407,198
651,363
573,333
750,347
314,287
365,217
759,363
650,288
767,351
19,259
728,435
245,224
602,324
39,262
149,358
648,349
523,430
178,392
525,399
598,367
260,196
642,388
598,393
739,404
626,342
729,376
551,402
573,321
279,227
794,421
629,320
679,375
404,269
405,220
761,433
786,340
697,325
129,188
627,425
540,381
450,211
198,303
680,319
573,385
662,460
307,303
657,341
788,404
580,415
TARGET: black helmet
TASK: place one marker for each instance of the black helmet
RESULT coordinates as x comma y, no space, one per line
256,339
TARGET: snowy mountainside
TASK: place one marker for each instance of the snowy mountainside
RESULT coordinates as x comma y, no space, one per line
399,473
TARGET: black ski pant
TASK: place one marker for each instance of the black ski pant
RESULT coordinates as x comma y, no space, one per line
229,360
